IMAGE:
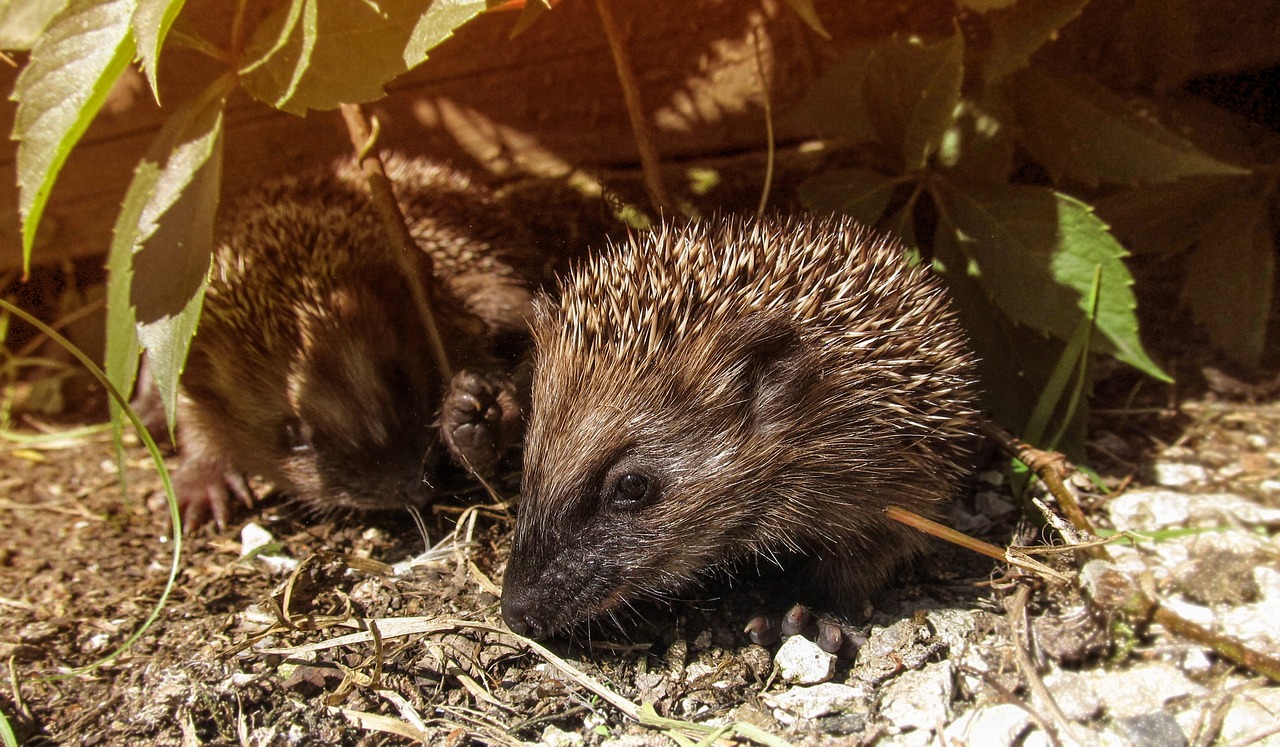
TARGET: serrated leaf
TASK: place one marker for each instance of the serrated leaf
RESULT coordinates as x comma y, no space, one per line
151,22
302,56
21,21
1014,363
979,146
809,14
1166,47
532,11
162,245
1164,218
1017,32
1081,130
861,194
72,68
1230,277
911,94
1036,252
834,104
438,24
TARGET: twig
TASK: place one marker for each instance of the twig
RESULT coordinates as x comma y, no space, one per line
384,201
1048,466
916,521
768,123
649,163
1140,604
1017,623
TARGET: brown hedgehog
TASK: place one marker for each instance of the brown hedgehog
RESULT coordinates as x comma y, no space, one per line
311,366
744,389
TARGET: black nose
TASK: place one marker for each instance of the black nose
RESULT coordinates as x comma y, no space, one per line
520,620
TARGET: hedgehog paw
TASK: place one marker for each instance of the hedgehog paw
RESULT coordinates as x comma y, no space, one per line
478,418
205,490
830,635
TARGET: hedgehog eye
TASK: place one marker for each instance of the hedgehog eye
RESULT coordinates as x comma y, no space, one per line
297,436
631,490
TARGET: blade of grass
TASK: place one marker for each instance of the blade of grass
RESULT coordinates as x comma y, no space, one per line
175,519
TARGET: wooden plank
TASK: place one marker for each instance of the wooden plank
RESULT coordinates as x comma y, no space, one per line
547,98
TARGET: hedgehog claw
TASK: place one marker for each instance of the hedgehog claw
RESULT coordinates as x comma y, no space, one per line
830,635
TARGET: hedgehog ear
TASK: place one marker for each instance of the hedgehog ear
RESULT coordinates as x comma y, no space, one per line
773,368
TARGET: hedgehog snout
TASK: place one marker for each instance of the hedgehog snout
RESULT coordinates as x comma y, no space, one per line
517,612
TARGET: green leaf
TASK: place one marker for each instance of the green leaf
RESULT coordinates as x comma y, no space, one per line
1080,129
834,104
21,21
1036,253
1017,32
1014,363
75,61
1230,277
911,94
151,22
302,56
163,243
979,146
438,24
861,194
1166,218
532,11
808,14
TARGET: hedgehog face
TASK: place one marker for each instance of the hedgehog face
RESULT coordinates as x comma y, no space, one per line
358,432
634,487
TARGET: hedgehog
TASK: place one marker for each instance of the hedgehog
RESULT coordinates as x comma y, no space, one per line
311,367
714,395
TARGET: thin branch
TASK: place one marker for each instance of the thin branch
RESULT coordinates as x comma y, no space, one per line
383,198
649,163
1139,603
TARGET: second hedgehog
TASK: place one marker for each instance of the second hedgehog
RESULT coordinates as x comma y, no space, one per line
744,389
312,367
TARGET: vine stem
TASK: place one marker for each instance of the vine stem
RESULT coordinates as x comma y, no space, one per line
649,163
363,136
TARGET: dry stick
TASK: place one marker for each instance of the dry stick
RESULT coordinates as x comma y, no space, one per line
384,201
1017,623
631,97
1048,467
943,532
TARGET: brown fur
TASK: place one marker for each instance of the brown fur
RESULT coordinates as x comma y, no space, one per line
776,383
311,367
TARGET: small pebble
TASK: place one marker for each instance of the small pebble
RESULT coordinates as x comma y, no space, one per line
802,662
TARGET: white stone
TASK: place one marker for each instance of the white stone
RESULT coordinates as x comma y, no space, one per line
1270,487
918,699
1257,441
1252,714
951,626
990,726
1142,689
1178,475
1073,694
1146,510
553,737
253,536
802,662
804,703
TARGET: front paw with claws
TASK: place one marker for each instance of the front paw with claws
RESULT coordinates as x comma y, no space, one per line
830,635
480,418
